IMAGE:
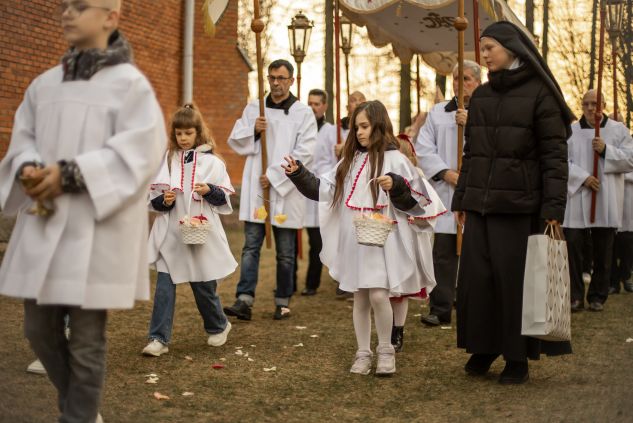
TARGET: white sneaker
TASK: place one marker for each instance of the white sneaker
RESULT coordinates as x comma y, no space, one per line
155,348
36,367
219,339
362,363
386,360
99,418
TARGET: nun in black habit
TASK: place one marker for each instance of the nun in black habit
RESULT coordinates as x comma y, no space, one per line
513,180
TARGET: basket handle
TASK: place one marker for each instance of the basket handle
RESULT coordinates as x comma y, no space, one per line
189,205
386,192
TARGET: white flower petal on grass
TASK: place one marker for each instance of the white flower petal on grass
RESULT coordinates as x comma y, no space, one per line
300,344
239,352
223,359
246,355
446,327
250,359
301,327
238,348
187,394
417,315
152,380
253,345
160,396
314,336
629,340
188,358
270,369
151,375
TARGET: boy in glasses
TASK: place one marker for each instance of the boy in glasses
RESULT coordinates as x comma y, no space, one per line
86,140
291,129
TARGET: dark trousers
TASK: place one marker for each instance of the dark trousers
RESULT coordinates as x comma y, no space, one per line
490,288
75,366
602,241
622,263
587,254
315,267
445,262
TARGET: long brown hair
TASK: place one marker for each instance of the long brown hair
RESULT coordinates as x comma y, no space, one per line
189,116
380,139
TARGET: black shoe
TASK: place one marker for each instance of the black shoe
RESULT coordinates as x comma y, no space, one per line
240,309
397,337
514,373
343,295
281,312
308,292
614,290
596,306
577,305
479,364
628,286
430,320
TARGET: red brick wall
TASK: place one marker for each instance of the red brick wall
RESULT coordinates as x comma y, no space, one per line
31,41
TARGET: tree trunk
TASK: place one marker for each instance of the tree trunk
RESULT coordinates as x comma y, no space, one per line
592,54
405,95
529,15
440,81
329,59
628,63
545,48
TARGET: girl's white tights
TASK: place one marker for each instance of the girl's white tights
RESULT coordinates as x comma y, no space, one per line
364,301
400,308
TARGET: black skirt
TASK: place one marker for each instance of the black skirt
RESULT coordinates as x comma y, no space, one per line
490,288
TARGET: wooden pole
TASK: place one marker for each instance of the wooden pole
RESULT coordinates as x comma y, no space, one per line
476,30
347,74
417,81
598,116
337,71
614,59
461,23
299,81
257,26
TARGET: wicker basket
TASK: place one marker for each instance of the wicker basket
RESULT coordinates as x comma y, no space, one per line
372,232
193,235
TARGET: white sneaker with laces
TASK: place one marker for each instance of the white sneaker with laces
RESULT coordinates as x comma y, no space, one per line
219,339
386,360
362,363
36,367
155,348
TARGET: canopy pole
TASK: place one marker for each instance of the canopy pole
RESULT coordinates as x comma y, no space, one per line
461,23
337,71
598,116
257,26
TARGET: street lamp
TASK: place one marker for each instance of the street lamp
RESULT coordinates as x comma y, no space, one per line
299,32
614,18
346,45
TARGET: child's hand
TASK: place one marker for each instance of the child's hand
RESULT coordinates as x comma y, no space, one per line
292,166
50,184
169,197
201,188
385,182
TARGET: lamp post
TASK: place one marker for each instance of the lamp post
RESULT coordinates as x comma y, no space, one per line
614,17
346,45
299,32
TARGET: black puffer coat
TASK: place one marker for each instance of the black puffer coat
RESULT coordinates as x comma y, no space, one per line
515,155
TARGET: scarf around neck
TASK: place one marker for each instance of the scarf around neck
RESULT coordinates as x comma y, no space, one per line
82,65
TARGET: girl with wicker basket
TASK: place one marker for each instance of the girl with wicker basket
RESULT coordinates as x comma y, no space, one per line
372,185
187,242
423,227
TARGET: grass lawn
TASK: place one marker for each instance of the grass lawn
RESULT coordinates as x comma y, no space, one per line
312,353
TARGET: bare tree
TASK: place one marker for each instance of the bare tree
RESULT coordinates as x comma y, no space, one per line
592,54
405,95
545,48
529,15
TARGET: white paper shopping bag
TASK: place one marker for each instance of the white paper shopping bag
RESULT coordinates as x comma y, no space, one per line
546,302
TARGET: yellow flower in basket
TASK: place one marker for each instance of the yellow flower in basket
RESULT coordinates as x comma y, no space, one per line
260,213
280,218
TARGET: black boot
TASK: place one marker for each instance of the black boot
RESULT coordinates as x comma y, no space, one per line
514,373
479,364
397,337
240,309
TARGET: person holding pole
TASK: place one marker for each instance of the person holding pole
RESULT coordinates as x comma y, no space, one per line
436,149
290,129
615,149
513,179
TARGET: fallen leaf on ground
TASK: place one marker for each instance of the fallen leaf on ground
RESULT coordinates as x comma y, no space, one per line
217,366
160,396
300,344
187,394
270,369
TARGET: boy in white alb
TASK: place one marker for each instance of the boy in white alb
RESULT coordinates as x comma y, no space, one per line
86,140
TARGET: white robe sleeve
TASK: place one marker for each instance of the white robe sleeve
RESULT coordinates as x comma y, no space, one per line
21,150
303,150
426,149
619,156
242,138
128,160
576,179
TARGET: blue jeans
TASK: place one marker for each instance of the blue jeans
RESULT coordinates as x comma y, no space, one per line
285,244
207,301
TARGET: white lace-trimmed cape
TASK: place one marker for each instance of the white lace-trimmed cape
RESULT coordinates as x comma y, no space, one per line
191,263
396,266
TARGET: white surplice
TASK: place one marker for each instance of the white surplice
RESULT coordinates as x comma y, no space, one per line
321,164
436,150
92,252
293,134
627,214
618,160
395,266
191,263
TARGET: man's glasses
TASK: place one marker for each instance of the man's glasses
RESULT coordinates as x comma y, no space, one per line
76,8
272,79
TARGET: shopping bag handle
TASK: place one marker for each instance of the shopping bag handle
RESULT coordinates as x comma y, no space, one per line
554,232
